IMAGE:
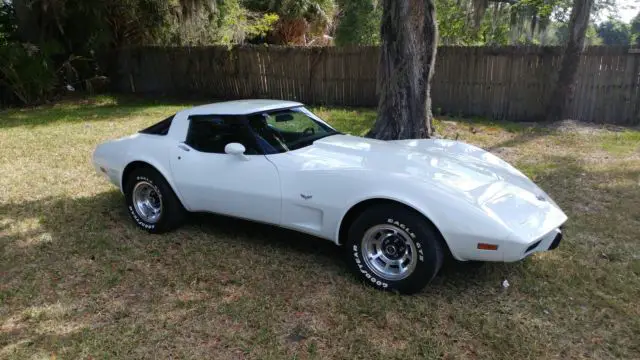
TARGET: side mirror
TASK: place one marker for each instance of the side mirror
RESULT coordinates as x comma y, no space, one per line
236,149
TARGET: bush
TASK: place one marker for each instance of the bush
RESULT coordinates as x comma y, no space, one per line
359,23
27,72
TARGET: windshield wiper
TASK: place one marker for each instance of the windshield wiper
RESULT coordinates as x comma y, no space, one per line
325,135
309,140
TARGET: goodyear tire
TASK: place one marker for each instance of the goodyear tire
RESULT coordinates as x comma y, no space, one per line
151,203
392,247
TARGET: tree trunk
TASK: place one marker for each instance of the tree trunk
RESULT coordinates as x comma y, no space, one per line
479,8
407,58
27,16
563,92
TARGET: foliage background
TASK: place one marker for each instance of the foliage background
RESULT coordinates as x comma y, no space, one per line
48,47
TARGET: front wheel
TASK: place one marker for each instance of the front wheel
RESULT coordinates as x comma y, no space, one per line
392,247
151,202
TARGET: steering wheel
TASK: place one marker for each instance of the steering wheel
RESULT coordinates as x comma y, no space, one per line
308,131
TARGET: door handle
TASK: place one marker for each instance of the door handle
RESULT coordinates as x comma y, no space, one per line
184,147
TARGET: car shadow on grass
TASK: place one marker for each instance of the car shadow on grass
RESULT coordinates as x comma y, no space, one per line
325,254
89,246
258,234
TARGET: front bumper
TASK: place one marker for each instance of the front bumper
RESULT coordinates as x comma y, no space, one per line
549,241
556,242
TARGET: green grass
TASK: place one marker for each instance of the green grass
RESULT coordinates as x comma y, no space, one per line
623,143
78,280
343,119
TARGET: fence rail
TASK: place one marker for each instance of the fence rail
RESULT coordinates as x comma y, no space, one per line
511,83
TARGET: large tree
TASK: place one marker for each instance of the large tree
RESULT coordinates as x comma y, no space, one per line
563,92
614,32
408,34
635,30
358,22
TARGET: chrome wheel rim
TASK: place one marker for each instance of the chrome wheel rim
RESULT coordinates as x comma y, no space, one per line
147,202
389,252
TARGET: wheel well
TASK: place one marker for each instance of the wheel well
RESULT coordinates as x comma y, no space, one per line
358,208
135,165
130,168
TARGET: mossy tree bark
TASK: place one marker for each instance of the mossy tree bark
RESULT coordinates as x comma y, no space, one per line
565,85
407,58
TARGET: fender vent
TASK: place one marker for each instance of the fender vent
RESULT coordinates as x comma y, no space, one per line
533,246
556,241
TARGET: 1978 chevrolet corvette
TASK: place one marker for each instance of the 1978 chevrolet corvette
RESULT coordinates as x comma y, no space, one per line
397,207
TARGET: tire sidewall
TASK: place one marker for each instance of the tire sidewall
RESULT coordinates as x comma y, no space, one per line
427,264
135,179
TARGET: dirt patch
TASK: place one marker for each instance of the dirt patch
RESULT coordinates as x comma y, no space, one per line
581,127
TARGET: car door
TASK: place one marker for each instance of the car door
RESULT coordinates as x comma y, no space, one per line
242,185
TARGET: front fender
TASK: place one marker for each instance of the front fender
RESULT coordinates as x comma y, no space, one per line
461,224
377,196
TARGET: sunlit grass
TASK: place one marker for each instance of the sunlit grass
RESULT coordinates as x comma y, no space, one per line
622,143
354,121
78,280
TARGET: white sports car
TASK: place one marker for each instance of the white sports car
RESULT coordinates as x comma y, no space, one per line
397,207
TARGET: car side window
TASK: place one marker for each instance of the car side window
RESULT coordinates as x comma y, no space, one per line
210,134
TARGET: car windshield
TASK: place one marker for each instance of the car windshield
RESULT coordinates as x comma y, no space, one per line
290,129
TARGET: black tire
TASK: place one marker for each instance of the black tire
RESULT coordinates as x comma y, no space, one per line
172,213
426,239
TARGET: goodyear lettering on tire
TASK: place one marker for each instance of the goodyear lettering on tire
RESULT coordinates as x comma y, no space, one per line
365,271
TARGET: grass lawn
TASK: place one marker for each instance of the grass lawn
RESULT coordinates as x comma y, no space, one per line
78,280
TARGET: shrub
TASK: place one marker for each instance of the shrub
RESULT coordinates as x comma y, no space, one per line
27,72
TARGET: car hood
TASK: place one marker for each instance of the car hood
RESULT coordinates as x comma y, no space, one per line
452,167
451,164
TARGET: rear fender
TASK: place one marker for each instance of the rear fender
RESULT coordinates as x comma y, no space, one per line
163,170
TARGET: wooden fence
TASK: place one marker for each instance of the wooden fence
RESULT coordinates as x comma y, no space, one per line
511,83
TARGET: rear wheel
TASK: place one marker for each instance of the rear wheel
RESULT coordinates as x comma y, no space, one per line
151,202
392,247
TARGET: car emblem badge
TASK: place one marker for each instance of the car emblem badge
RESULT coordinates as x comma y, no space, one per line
541,198
306,197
